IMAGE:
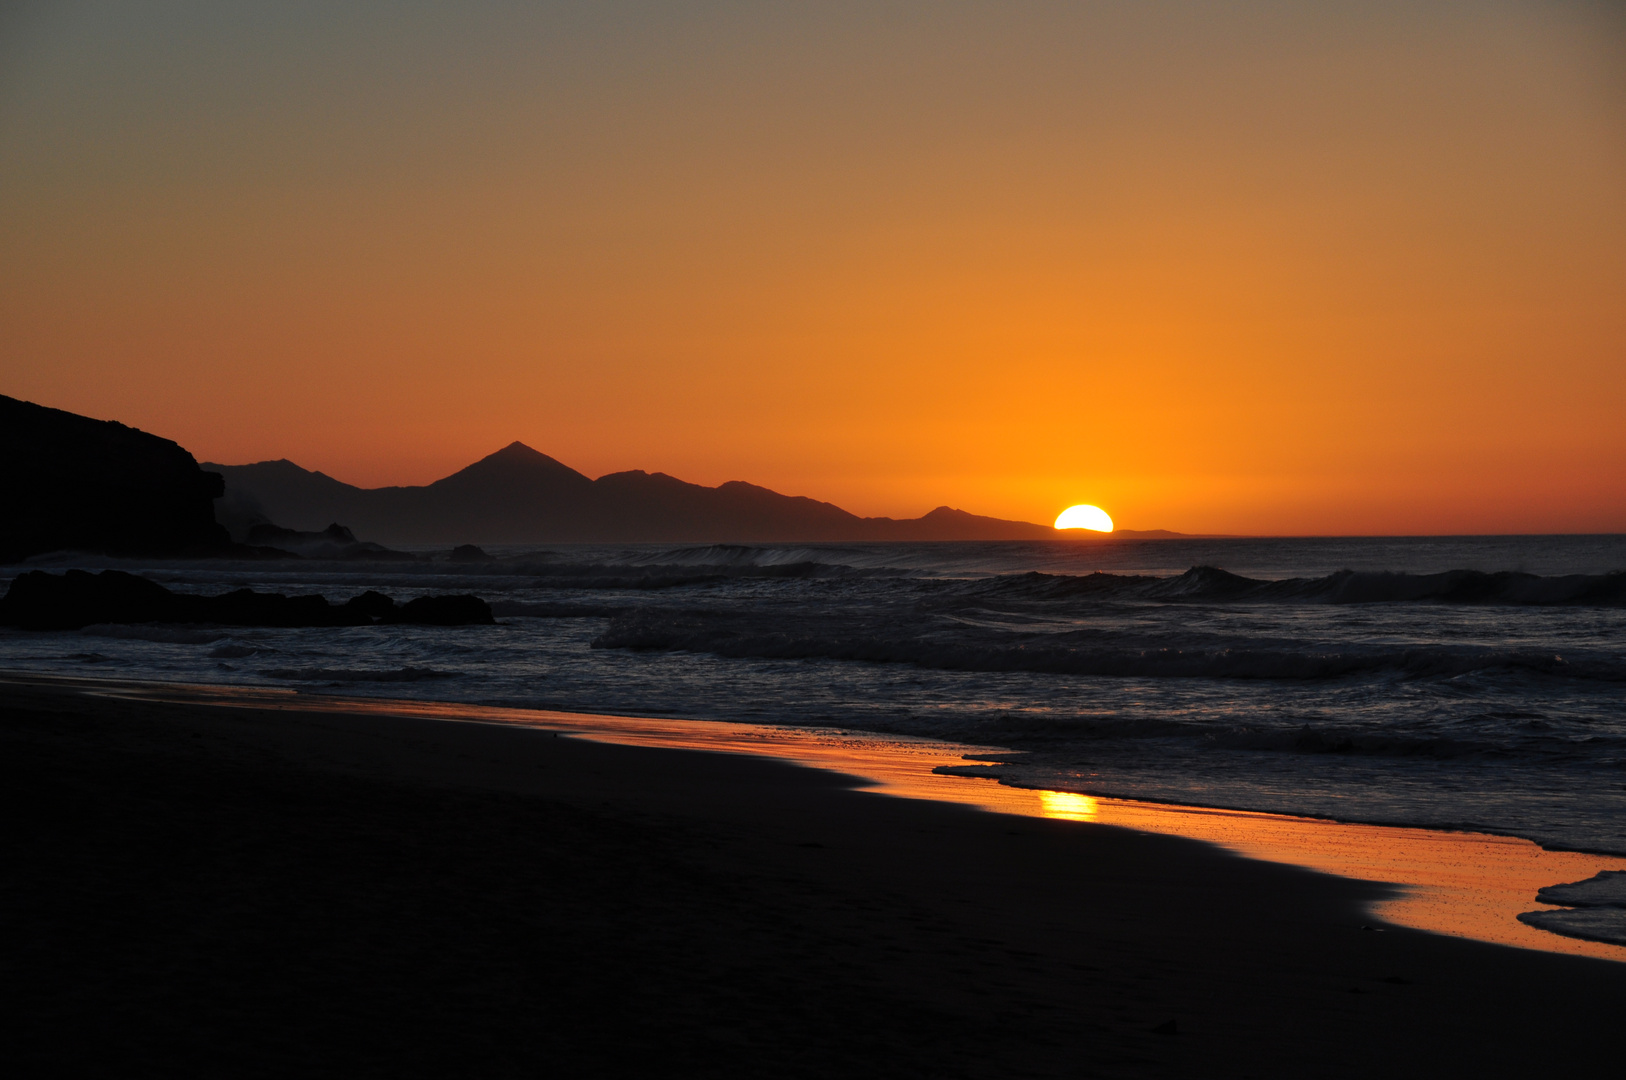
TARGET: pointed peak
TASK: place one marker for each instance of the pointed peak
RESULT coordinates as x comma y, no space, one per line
513,462
516,451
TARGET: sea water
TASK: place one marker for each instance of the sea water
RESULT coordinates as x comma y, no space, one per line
1475,683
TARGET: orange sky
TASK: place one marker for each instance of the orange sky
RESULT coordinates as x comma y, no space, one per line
1252,268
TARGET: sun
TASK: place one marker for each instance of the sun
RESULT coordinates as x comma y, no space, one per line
1084,516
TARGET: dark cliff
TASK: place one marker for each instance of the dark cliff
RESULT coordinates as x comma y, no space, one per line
70,482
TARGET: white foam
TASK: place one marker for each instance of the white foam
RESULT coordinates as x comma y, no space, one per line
1606,924
1607,889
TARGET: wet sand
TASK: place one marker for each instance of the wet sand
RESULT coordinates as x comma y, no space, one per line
1467,884
196,888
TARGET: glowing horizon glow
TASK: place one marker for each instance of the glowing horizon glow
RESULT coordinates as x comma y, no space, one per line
1179,255
1084,516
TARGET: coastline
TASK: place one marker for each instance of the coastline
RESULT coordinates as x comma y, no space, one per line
262,871
1462,883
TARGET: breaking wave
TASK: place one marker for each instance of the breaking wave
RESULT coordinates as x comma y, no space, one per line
970,648
1212,585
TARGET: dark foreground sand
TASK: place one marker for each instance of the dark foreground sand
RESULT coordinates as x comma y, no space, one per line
191,890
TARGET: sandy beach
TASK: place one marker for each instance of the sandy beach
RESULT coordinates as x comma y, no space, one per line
258,892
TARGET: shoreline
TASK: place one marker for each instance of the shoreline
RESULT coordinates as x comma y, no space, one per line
357,892
1462,883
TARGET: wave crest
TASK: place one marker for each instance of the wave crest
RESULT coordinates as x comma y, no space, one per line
1210,584
841,637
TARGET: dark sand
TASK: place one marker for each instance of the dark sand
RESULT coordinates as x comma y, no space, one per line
193,890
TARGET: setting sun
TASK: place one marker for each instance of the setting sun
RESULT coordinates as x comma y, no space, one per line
1084,516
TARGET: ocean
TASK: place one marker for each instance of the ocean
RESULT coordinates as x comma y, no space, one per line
1462,682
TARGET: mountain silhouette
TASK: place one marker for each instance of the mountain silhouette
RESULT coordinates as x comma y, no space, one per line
520,495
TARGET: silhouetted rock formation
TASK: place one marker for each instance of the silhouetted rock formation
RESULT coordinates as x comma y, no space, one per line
443,611
470,553
41,601
518,495
71,482
333,542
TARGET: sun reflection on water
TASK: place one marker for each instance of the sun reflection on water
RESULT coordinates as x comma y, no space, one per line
1068,806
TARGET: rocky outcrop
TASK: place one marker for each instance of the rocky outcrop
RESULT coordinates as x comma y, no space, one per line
71,482
42,601
333,542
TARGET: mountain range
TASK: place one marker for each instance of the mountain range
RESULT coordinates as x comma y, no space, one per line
519,495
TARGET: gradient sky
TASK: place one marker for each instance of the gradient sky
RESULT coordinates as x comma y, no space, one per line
1239,267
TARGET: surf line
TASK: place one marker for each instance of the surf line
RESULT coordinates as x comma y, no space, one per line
1464,884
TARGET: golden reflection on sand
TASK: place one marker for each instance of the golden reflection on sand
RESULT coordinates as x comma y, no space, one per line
1470,885
1067,806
